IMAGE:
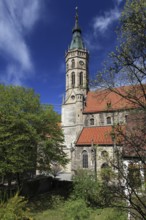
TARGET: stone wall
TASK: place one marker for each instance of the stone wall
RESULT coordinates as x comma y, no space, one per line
102,156
100,119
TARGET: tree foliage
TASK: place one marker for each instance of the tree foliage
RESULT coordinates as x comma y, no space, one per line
30,135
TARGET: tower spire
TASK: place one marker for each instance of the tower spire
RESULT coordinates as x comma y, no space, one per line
77,42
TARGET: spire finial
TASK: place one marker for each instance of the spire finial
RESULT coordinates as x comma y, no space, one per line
76,14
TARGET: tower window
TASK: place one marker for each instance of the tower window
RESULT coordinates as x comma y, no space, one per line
85,159
73,79
81,78
73,63
92,121
108,119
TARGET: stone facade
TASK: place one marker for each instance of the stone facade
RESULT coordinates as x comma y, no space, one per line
101,119
74,119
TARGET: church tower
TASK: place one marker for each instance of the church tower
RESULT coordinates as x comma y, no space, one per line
76,59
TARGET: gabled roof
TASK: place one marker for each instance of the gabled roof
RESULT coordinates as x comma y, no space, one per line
106,100
95,135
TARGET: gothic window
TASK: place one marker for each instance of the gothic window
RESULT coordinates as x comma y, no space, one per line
81,78
126,117
108,120
73,79
73,63
85,159
92,121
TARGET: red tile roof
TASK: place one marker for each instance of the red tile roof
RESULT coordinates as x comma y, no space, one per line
97,135
106,100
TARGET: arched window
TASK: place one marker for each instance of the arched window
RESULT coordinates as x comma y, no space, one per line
91,121
104,165
85,159
108,119
126,118
73,79
73,63
104,153
81,78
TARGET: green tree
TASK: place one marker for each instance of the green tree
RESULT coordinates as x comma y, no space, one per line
30,135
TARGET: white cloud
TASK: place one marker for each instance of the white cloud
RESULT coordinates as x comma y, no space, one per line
102,23
17,18
89,42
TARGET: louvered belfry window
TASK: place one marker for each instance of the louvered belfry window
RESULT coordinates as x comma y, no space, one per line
73,79
81,78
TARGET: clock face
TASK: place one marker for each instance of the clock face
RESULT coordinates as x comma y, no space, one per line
81,62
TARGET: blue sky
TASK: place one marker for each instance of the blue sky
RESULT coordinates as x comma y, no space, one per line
34,35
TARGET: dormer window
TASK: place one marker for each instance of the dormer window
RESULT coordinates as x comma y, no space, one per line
109,105
73,63
108,120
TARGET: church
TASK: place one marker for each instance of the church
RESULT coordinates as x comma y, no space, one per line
88,116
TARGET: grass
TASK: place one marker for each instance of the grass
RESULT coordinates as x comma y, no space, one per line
54,207
100,214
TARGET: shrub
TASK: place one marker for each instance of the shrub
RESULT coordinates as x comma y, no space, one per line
76,210
95,193
14,209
